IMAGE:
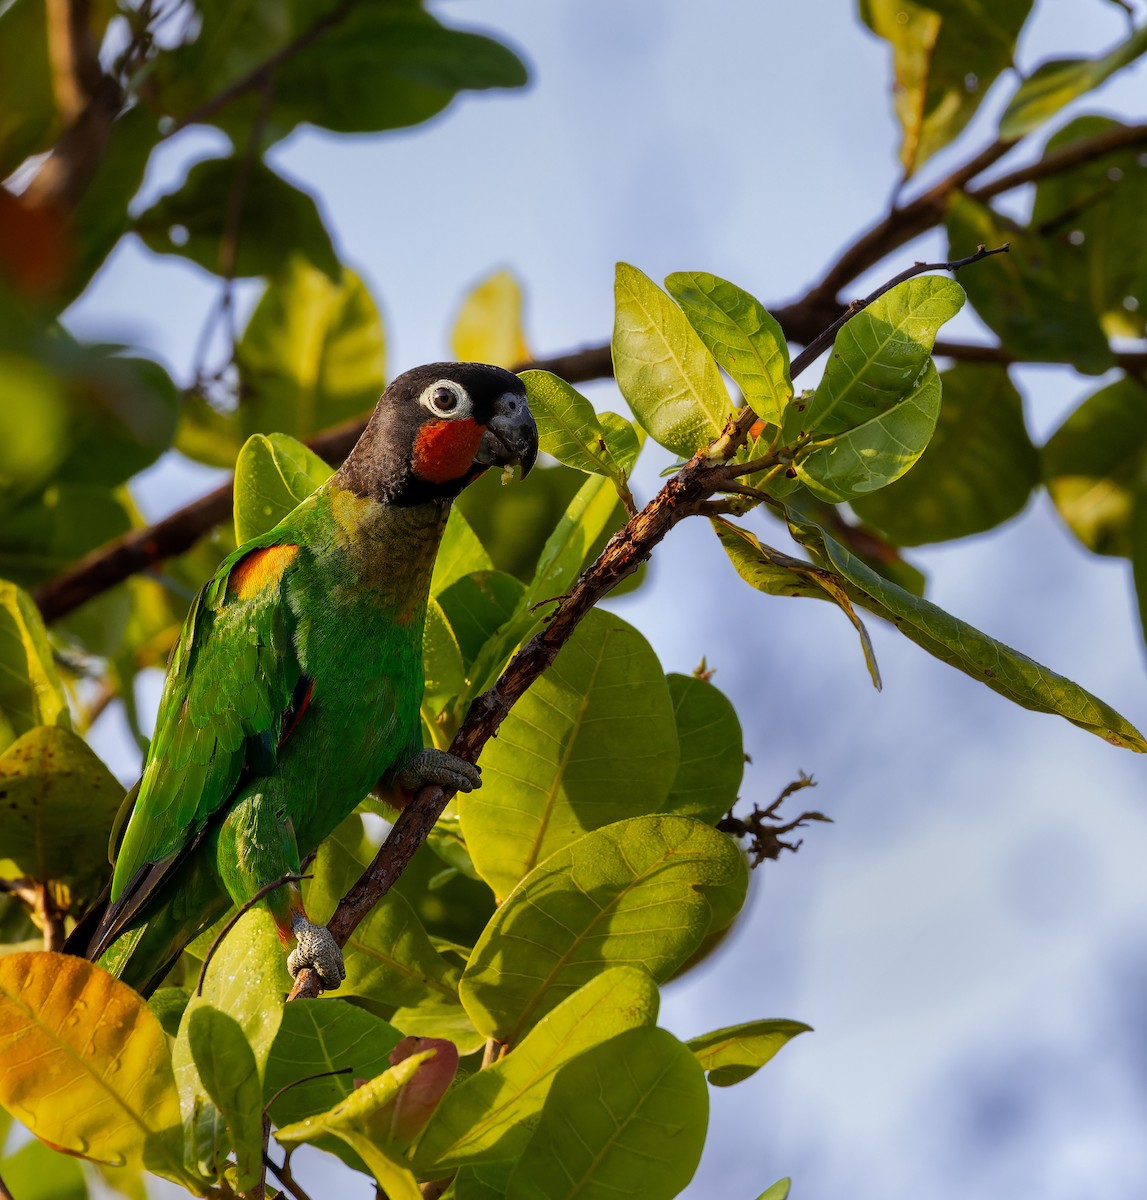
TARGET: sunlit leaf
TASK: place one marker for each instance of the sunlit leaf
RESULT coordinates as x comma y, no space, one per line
1093,463
733,1054
1058,82
274,473
869,456
568,427
779,574
951,640
711,752
84,1063
627,1117
59,801
490,1115
778,1191
946,54
741,336
880,356
591,742
31,692
977,471
460,553
489,327
662,367
646,890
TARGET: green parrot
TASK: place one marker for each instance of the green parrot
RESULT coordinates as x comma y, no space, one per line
295,687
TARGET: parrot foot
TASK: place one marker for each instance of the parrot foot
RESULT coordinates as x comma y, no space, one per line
316,947
437,766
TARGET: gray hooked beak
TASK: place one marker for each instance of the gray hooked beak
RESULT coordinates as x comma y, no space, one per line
511,436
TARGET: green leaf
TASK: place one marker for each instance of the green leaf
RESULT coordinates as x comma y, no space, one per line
274,474
460,553
946,54
488,1182
645,890
733,1054
387,66
168,1004
102,215
623,439
490,1115
35,426
662,367
711,760
1093,463
489,326
626,1118
880,355
226,1065
389,956
951,640
327,1036
593,740
1020,295
439,1018
1139,552
870,456
37,1172
477,606
1056,83
1089,219
276,219
443,670
246,980
27,98
59,802
50,532
977,471
778,1191
779,574
741,336
568,427
350,1120
31,692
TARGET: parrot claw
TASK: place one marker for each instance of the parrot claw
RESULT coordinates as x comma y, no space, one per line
316,947
438,766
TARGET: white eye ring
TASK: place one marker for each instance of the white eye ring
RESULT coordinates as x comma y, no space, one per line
447,398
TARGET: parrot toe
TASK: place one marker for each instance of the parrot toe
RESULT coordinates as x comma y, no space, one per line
316,947
446,770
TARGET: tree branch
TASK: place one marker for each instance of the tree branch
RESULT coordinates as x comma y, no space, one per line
88,101
682,495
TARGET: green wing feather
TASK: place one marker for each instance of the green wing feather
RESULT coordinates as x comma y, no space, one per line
228,694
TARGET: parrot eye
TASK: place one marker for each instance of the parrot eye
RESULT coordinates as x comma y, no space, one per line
446,399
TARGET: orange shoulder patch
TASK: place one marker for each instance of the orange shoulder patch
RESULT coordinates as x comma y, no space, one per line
259,570
444,450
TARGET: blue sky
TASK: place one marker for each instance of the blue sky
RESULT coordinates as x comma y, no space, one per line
969,939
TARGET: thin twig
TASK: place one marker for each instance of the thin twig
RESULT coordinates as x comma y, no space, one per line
282,1172
823,340
257,77
306,1079
265,890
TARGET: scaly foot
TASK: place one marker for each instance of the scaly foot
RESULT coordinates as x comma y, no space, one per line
437,766
316,947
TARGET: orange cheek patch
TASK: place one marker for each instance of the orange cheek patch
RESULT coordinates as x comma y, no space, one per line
260,569
444,450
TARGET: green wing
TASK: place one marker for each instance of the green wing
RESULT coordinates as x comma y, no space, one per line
234,688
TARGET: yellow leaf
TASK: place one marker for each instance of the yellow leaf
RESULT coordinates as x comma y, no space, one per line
489,327
84,1064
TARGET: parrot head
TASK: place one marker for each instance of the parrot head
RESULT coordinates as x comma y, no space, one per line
437,428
